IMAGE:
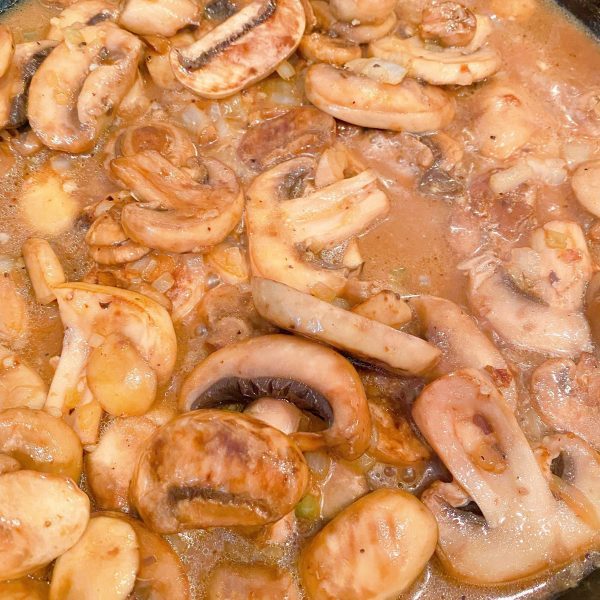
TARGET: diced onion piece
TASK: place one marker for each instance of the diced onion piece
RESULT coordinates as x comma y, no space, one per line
383,71
509,179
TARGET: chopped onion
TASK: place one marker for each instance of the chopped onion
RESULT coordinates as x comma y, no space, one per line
509,179
285,70
383,71
163,283
549,170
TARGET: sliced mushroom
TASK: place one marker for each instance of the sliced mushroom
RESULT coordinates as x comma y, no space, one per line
556,267
24,589
178,214
46,202
73,98
463,344
365,11
20,385
363,33
281,230
573,470
387,532
43,267
448,24
16,80
373,341
585,183
300,131
40,442
522,320
136,333
13,317
171,141
244,49
163,17
408,106
240,582
393,441
522,529
450,66
109,466
161,574
287,368
82,12
318,47
42,516
567,396
7,49
215,468
102,564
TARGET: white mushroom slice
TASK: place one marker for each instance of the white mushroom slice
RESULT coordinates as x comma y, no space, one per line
7,49
40,442
73,98
95,315
365,11
24,589
408,106
15,82
388,533
42,516
43,267
281,230
463,344
83,12
13,316
586,185
240,582
161,574
448,24
447,66
244,49
567,396
375,342
287,368
103,564
20,385
524,321
178,214
523,529
383,71
319,47
162,17
109,466
556,267
364,33
185,480
386,307
46,202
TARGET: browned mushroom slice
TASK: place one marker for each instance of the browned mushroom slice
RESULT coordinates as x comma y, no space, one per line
287,368
178,214
81,12
247,47
462,343
240,582
357,99
448,24
372,550
373,341
302,130
522,528
40,442
74,95
42,516
318,47
365,11
162,17
7,48
286,229
567,396
215,468
15,82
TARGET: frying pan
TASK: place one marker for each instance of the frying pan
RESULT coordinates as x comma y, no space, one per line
588,12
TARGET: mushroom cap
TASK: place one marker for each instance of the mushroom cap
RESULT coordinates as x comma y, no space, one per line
288,368
244,49
213,468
